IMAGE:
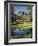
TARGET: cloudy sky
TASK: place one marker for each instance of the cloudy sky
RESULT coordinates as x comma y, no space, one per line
18,8
22,8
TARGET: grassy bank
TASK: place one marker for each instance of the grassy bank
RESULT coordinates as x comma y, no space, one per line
23,25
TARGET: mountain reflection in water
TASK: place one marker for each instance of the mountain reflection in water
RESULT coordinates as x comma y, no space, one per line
20,32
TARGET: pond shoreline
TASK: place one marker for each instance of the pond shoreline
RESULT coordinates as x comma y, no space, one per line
22,34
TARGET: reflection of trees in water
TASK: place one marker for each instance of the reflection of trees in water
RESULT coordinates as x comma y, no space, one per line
20,34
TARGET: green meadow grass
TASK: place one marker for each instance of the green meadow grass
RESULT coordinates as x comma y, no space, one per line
23,25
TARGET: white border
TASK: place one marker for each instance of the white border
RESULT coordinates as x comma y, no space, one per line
33,25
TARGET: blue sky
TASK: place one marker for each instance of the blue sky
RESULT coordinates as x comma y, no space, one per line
18,8
22,8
